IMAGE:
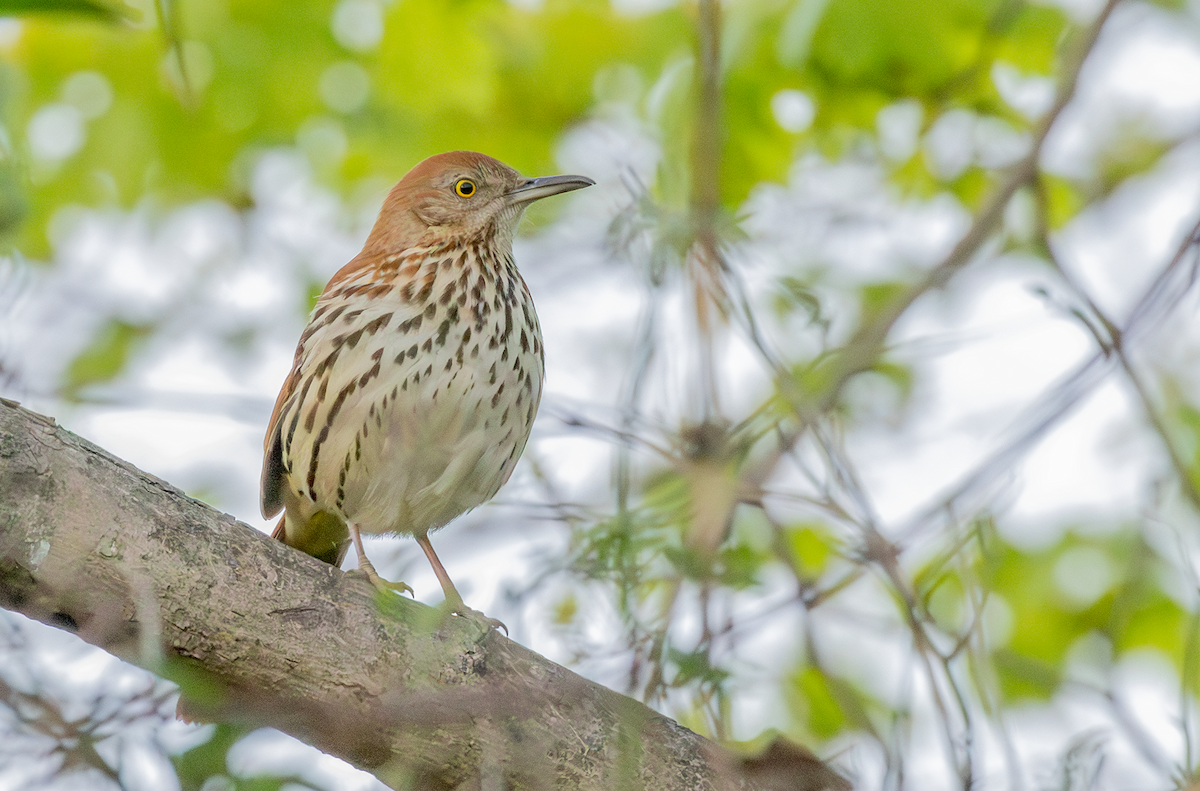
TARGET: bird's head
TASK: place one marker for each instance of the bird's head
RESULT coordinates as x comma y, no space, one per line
459,195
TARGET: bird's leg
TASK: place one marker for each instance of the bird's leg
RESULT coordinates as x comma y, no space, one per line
368,568
452,597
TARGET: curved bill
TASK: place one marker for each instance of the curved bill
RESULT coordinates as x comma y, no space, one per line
536,189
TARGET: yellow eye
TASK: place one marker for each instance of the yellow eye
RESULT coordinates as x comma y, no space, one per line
464,188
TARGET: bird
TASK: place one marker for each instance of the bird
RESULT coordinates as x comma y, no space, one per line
415,382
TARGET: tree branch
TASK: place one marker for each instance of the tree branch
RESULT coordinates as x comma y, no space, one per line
256,632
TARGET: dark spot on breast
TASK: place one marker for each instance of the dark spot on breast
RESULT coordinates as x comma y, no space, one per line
330,359
375,325
337,402
369,375
312,464
426,289
287,446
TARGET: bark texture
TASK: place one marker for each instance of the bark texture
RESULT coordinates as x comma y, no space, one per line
255,631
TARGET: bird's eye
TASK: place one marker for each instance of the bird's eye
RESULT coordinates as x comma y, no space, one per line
464,188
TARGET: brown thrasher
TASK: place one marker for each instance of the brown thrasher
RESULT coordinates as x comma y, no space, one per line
415,383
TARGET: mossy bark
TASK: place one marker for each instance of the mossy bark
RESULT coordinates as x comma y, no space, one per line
257,632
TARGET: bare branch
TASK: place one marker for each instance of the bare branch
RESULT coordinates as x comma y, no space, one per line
256,632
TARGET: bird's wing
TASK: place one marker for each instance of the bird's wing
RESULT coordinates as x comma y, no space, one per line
271,491
271,484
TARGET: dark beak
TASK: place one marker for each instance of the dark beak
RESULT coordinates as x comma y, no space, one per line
530,190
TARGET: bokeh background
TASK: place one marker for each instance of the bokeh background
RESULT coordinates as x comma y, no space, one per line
873,366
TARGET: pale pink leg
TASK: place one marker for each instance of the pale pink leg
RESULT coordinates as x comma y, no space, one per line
368,568
455,601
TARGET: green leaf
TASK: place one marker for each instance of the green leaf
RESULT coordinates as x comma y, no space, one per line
876,297
111,12
1063,200
817,706
795,294
198,764
739,566
1022,677
694,666
1131,154
1030,40
810,545
105,357
972,187
797,31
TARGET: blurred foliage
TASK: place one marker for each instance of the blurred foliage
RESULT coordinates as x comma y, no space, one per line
106,108
104,358
204,766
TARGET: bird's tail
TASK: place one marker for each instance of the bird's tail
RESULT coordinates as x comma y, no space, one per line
324,536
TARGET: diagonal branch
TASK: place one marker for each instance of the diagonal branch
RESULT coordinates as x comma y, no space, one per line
863,349
256,632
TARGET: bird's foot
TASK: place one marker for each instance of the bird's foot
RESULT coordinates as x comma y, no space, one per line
463,611
379,582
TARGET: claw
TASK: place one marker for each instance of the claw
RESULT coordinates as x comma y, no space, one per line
379,582
463,611
475,615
